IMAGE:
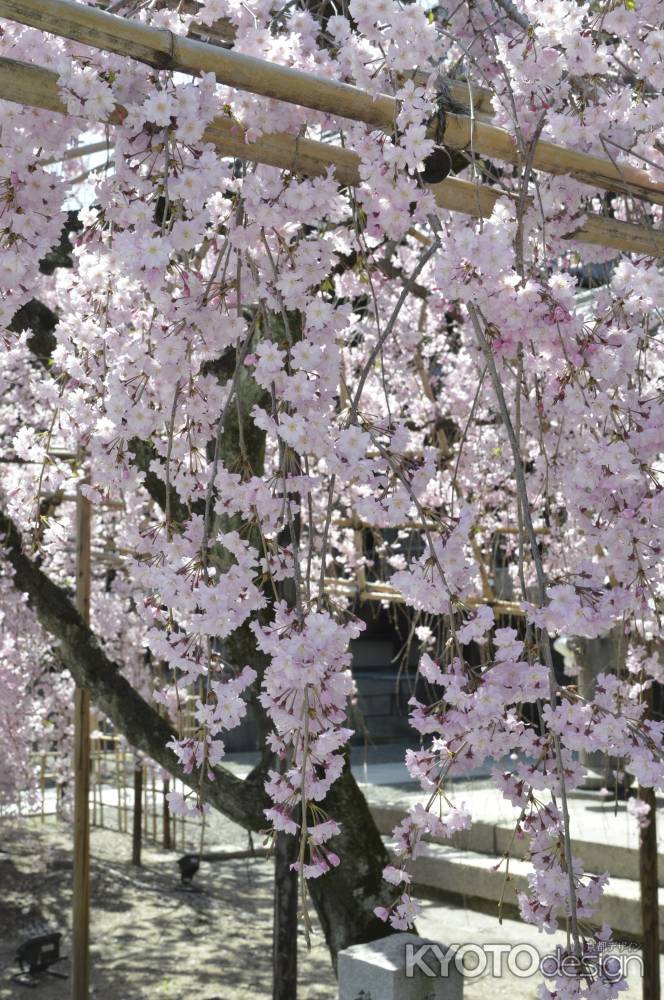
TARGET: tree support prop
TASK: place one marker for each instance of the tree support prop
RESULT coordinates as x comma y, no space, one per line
81,889
136,838
649,902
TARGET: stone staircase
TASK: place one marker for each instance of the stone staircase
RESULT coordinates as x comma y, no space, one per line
468,869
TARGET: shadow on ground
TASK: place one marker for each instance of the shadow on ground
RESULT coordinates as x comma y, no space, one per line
151,939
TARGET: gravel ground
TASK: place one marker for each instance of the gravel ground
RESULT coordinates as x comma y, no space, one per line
150,939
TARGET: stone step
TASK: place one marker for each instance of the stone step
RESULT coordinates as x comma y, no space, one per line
495,837
453,871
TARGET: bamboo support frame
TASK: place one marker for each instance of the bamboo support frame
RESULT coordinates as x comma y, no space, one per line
36,87
223,32
80,963
144,807
386,592
163,49
155,820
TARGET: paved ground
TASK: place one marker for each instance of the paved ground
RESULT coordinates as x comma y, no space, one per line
458,926
150,939
153,941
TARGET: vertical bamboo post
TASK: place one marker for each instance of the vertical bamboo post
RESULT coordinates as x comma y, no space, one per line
166,817
42,786
80,962
101,768
649,888
116,746
153,790
179,822
125,793
138,807
93,781
649,902
145,803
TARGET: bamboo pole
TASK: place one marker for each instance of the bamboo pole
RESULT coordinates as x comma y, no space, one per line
78,152
138,812
116,747
93,782
80,961
153,792
386,592
101,763
42,786
224,32
649,882
125,792
33,86
162,49
145,803
649,898
166,817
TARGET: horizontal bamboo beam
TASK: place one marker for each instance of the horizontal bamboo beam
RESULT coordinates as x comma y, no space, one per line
349,522
78,152
163,49
386,592
223,32
33,86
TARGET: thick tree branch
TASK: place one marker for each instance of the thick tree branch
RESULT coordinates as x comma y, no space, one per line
346,897
514,14
80,649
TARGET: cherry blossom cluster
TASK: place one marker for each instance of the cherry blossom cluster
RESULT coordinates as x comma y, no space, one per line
251,367
306,690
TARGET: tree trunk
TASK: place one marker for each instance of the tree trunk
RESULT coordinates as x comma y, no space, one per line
284,933
346,896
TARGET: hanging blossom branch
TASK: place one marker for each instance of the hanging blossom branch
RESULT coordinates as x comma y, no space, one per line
544,640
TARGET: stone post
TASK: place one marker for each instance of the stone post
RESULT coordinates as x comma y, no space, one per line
399,967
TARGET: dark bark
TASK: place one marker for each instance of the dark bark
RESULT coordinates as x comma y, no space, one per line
143,454
34,315
41,321
346,896
649,882
649,898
